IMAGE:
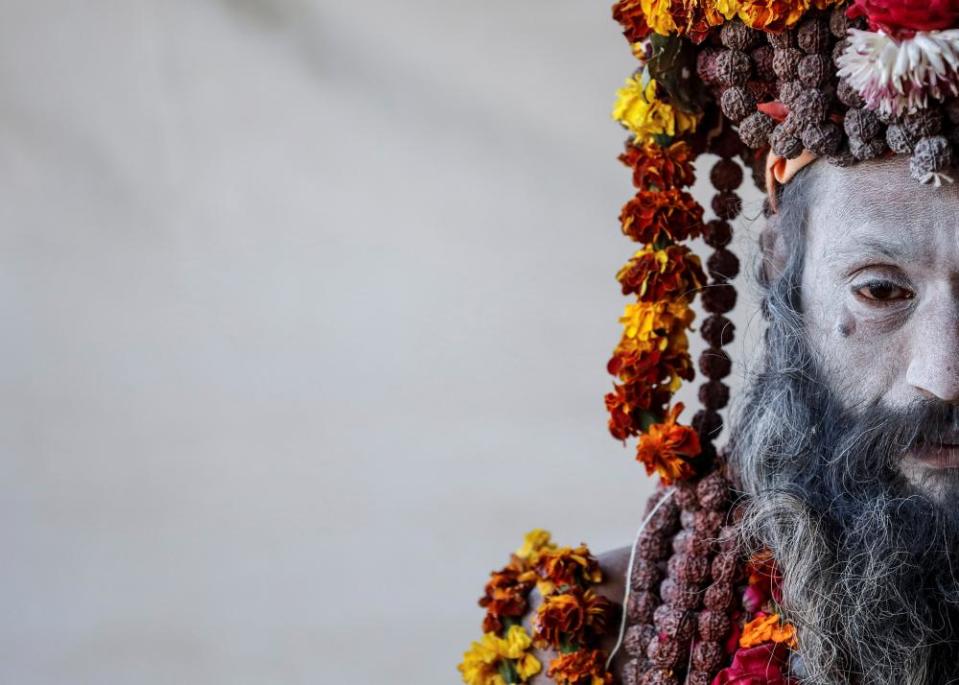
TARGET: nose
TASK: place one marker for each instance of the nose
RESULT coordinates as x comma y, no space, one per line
934,367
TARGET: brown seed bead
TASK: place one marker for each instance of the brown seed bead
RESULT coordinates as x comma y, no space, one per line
923,123
838,22
727,145
707,423
729,537
814,70
726,175
675,623
659,676
632,671
762,58
713,492
842,157
867,149
699,678
790,90
713,625
737,103
665,652
725,567
717,233
686,596
848,95
706,67
715,364
718,596
931,155
810,107
754,130
723,265
862,123
837,51
718,298
684,495
688,517
707,656
646,576
900,140
717,330
665,521
784,143
733,68
812,36
681,542
727,205
708,523
822,139
786,63
641,606
694,569
637,639
737,36
783,39
652,546
714,395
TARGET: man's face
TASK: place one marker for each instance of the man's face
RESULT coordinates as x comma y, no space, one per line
880,301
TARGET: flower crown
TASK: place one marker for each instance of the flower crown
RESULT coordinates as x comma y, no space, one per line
769,85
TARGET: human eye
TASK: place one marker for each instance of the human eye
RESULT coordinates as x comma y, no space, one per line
880,291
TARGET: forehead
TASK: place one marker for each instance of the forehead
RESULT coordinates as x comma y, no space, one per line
877,209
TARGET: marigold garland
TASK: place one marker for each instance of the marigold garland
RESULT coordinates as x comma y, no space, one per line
571,619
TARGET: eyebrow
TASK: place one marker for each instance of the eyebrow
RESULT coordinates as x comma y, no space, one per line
870,245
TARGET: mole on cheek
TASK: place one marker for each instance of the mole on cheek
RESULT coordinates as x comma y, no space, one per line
847,324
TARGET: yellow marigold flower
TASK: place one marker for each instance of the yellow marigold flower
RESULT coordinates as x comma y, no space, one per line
658,16
534,542
515,644
638,110
654,324
480,665
481,662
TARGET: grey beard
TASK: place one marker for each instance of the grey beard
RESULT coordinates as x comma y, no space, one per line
869,561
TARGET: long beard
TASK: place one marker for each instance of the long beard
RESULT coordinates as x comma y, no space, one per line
870,560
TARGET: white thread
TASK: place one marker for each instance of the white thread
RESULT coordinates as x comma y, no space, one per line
629,575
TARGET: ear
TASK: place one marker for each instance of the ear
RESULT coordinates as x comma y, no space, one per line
773,248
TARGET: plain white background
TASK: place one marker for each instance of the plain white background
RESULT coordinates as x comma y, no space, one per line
306,308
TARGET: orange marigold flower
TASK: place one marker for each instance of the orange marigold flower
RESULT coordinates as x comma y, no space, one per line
576,616
660,167
582,667
655,274
772,15
505,596
768,628
653,214
567,566
667,448
629,13
649,381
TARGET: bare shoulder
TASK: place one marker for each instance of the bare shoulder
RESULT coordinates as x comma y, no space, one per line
614,564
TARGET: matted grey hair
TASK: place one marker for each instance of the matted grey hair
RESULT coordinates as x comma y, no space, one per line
866,562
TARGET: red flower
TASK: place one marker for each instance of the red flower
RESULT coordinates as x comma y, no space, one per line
505,596
654,213
629,13
760,665
656,274
660,167
902,18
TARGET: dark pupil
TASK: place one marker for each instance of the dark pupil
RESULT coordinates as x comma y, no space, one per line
881,291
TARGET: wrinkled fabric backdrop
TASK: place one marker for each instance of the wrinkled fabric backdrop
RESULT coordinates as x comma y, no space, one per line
306,308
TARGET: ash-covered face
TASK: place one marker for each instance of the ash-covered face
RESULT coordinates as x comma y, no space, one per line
880,305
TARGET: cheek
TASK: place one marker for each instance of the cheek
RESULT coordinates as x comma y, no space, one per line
861,355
